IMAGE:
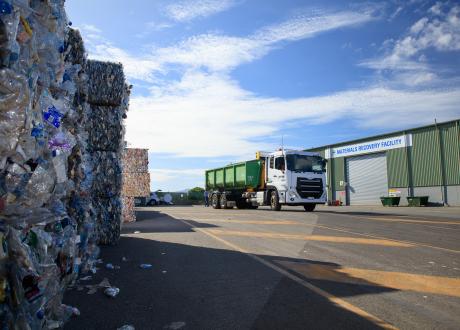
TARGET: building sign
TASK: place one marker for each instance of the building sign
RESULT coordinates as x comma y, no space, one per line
394,192
370,146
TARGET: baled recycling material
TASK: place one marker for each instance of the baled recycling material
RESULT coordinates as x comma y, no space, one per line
107,174
136,179
136,184
128,213
111,77
135,160
107,131
55,204
106,143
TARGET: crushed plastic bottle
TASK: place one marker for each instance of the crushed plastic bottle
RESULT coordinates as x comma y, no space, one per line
145,266
112,292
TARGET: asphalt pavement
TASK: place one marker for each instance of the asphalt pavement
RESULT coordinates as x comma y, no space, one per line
335,268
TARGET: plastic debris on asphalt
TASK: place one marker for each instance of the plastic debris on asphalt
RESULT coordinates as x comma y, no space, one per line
145,266
112,292
126,327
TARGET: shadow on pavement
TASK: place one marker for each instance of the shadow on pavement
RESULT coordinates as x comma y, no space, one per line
367,213
156,222
207,288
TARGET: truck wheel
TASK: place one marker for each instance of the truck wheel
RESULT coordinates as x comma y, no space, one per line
241,204
274,201
215,201
309,207
253,207
223,201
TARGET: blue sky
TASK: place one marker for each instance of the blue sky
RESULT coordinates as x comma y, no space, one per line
217,80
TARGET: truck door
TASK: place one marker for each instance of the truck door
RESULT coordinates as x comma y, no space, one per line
277,176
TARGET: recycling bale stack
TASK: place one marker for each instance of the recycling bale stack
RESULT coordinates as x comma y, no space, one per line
108,97
48,209
80,161
136,179
40,244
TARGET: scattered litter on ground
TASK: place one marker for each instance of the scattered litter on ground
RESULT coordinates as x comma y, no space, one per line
93,288
175,325
86,278
145,266
112,292
126,327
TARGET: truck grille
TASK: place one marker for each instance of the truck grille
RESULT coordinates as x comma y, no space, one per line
310,187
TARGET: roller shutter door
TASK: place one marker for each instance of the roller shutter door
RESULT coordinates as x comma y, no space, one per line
367,179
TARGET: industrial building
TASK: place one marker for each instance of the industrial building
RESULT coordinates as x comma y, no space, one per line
423,161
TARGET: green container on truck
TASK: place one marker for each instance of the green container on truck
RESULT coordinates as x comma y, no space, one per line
243,175
283,177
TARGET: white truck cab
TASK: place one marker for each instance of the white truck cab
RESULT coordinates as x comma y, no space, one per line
294,177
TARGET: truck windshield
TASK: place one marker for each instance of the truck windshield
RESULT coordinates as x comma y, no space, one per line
302,163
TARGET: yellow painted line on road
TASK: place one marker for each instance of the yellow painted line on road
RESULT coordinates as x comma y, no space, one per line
251,222
338,302
320,238
398,218
385,238
412,221
411,243
394,280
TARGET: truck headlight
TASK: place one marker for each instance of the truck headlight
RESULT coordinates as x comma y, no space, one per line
293,194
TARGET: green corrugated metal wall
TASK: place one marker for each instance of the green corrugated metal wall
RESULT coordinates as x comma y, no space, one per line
339,173
397,168
419,163
425,158
450,147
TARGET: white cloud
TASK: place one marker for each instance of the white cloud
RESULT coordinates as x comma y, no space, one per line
211,116
173,180
440,30
206,113
187,10
91,28
153,26
219,52
162,175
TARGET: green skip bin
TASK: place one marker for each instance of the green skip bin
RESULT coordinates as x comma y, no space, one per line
417,201
390,201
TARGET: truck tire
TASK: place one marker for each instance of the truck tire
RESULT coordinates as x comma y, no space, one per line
275,201
215,201
253,207
223,201
309,207
241,204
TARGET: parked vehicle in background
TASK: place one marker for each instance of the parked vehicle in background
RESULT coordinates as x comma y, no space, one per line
153,199
283,177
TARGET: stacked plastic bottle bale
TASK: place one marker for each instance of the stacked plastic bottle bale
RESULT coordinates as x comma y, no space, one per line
108,96
136,180
80,206
39,241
